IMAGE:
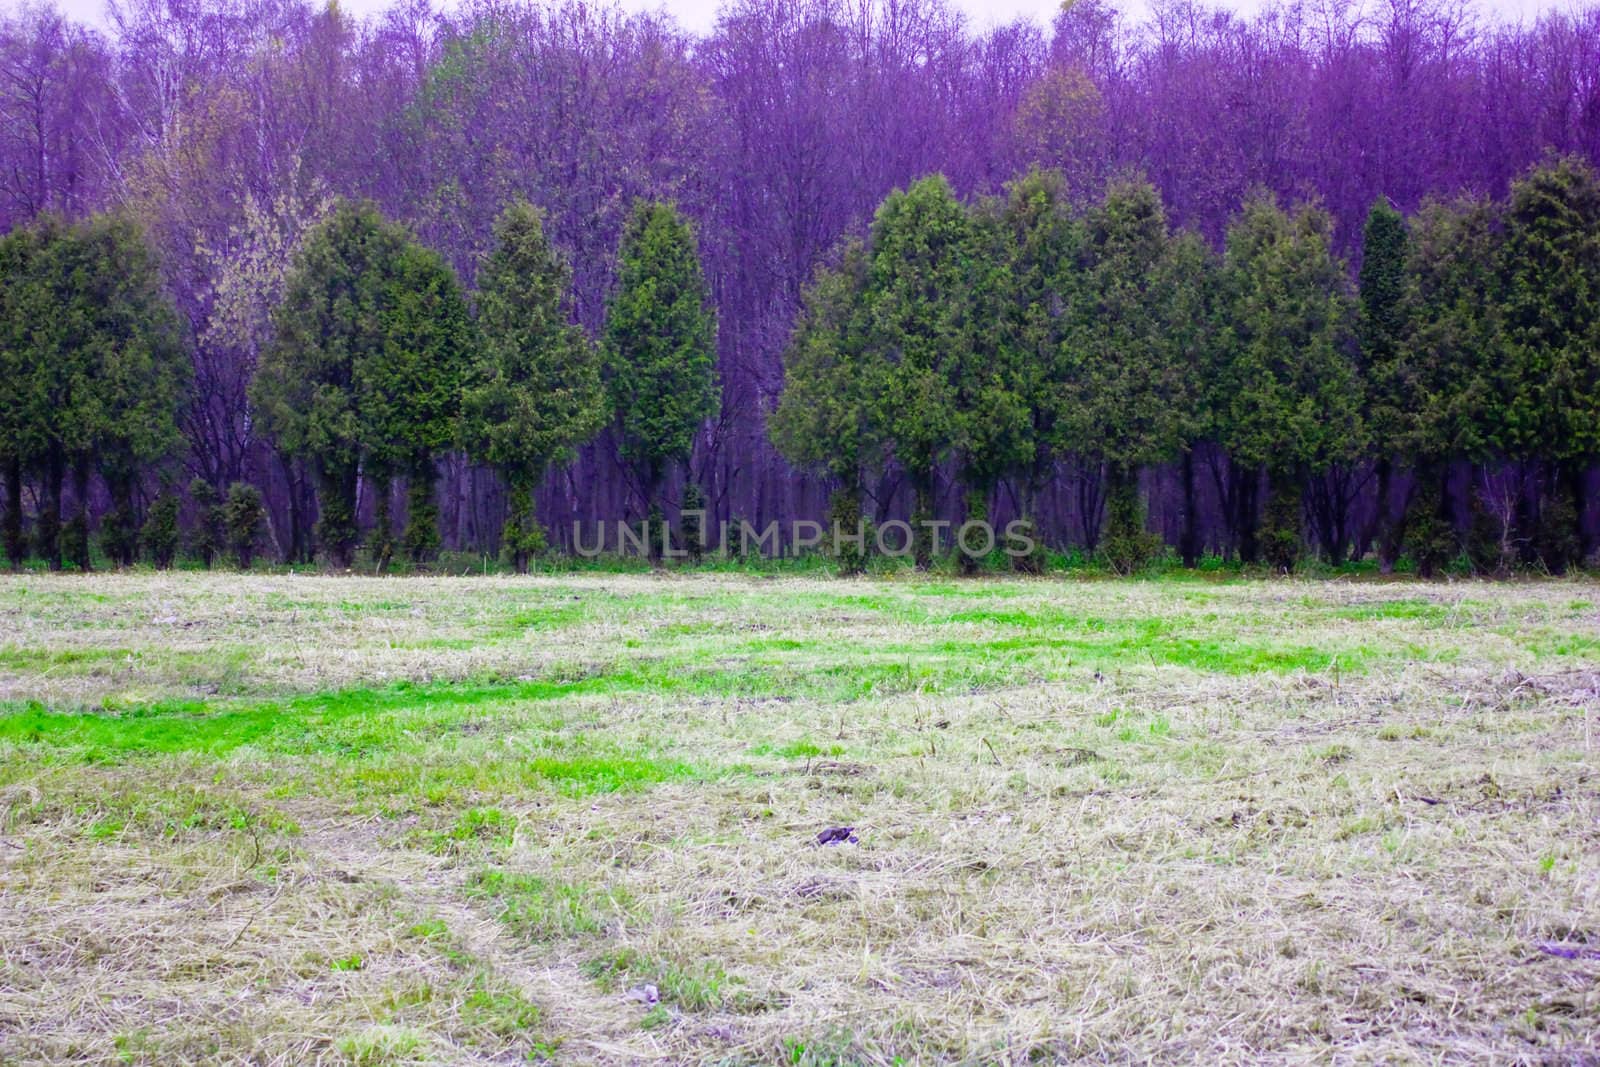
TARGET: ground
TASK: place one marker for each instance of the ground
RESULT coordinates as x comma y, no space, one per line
286,819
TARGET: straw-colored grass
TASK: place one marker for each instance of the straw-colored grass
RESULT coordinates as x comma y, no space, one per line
296,819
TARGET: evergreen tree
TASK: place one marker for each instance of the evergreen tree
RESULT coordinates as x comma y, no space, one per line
244,520
659,352
96,370
534,391
22,433
1125,392
1290,399
993,416
919,298
365,370
1383,326
160,533
826,415
1187,307
1447,383
1042,249
1551,325
210,532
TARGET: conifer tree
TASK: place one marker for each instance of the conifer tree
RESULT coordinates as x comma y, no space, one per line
365,368
1551,325
534,393
825,418
1291,398
659,350
1383,326
919,295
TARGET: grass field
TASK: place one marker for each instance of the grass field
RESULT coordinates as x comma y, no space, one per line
486,820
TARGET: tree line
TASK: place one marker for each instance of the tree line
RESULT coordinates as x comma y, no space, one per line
378,362
973,343
997,336
225,128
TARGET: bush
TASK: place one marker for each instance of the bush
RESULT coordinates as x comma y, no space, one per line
1127,546
522,537
161,530
243,520
75,541
16,539
421,537
1427,534
1281,527
1555,540
693,532
208,536
844,516
1490,546
47,533
119,537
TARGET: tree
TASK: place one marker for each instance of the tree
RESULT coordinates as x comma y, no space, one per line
1449,379
22,433
993,394
364,371
1551,325
919,292
1042,246
1383,326
160,533
96,371
1124,391
534,391
1187,308
659,352
825,418
1289,396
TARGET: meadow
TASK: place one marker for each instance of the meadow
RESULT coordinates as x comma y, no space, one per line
575,818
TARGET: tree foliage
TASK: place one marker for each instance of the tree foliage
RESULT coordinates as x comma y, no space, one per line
659,351
533,392
365,368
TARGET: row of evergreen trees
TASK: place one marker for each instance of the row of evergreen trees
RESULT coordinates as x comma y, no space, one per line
379,362
990,339
998,336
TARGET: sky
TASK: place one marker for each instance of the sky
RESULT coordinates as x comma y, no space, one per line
699,15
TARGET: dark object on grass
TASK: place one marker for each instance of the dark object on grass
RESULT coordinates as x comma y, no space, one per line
1569,952
837,835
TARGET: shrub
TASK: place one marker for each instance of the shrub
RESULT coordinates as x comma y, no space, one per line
161,530
208,536
75,541
243,520
119,536
1280,527
1427,534
522,537
1555,539
1127,546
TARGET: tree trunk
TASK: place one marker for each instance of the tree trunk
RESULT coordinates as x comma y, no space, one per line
49,525
16,546
78,550
921,515
1246,491
1386,527
1091,495
1189,532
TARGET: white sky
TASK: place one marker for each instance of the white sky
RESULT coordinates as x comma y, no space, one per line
699,15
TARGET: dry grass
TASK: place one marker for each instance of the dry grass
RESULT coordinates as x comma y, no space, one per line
1239,823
